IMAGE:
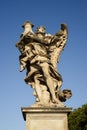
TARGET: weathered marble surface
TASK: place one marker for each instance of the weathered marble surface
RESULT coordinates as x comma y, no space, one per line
40,52
46,118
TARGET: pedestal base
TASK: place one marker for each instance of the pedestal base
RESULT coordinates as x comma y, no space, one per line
46,118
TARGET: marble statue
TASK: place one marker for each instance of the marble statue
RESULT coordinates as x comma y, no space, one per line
40,52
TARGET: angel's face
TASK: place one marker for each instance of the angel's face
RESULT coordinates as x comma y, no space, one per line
41,29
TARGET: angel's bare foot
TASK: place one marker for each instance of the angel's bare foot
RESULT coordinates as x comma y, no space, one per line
55,100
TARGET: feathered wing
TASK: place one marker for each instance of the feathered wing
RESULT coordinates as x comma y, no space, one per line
58,43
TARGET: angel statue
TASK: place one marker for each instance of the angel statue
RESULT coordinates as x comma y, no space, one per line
40,52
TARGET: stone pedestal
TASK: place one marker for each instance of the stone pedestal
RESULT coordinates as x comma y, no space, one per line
46,118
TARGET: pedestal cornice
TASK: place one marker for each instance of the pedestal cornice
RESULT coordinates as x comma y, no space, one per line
44,110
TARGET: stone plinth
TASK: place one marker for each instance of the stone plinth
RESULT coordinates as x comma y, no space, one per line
46,118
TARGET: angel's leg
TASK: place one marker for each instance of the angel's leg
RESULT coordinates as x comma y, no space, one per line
49,81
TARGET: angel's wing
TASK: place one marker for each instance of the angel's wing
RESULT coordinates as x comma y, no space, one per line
58,43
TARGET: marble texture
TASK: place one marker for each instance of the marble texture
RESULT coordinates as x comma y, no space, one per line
46,118
40,53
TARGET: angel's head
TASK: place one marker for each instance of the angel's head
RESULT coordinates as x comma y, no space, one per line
41,30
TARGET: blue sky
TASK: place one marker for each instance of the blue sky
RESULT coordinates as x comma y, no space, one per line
14,93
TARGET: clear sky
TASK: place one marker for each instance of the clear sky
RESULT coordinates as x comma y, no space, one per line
14,93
